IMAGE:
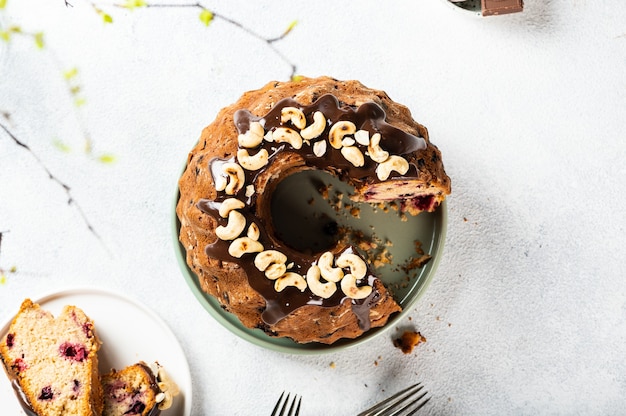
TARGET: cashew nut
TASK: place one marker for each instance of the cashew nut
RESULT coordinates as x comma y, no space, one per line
290,279
285,134
236,178
362,137
293,114
319,148
250,190
349,287
323,290
315,129
357,265
220,183
377,154
253,231
353,155
328,272
230,204
397,163
347,141
236,224
243,245
255,162
253,137
338,130
272,262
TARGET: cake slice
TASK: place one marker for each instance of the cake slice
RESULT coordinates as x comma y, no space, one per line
52,362
138,389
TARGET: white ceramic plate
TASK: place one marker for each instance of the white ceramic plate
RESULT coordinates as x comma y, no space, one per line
129,332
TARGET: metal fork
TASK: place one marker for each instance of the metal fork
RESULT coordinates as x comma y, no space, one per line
294,406
396,404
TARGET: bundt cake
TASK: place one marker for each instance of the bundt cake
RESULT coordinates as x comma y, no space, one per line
226,226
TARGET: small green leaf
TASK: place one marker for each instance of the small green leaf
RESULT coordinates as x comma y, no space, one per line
13,269
290,27
3,4
61,146
297,78
39,40
3,278
70,73
79,102
5,35
106,158
133,4
75,89
106,18
206,17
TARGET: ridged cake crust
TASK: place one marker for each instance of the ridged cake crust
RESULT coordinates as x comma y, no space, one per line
53,362
225,278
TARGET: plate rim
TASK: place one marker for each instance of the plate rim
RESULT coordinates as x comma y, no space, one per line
212,306
50,295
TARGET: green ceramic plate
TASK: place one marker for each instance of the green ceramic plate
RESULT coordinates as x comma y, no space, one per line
316,213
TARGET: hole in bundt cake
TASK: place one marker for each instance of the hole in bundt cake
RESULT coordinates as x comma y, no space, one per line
300,218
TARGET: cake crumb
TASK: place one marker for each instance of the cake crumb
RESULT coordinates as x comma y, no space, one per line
408,341
332,364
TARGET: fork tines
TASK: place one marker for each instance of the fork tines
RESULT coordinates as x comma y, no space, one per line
294,409
409,399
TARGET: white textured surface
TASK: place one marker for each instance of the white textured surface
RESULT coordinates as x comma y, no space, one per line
527,313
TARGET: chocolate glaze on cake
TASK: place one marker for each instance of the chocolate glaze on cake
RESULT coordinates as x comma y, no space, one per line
215,177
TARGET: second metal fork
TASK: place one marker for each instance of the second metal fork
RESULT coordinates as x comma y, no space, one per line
408,400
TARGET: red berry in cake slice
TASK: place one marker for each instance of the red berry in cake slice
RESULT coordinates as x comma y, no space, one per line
46,393
74,352
10,340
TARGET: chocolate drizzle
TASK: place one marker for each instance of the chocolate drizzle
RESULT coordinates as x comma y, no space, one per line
369,117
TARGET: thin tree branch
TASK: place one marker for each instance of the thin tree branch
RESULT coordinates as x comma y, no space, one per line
269,41
66,188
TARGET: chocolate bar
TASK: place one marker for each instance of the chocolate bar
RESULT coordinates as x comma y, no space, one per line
497,7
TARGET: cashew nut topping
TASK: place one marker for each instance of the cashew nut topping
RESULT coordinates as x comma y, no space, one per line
348,141
220,183
377,154
253,137
397,163
250,190
243,245
236,178
293,114
315,129
353,155
235,226
290,279
323,290
338,131
357,265
319,148
328,272
349,287
230,204
266,260
254,232
285,134
256,162
362,137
